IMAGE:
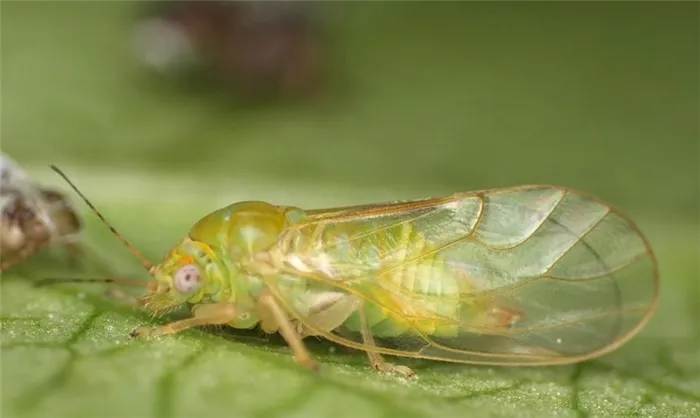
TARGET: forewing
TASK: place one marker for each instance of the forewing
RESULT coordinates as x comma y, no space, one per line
529,275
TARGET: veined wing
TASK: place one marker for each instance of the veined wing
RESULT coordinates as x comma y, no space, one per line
527,275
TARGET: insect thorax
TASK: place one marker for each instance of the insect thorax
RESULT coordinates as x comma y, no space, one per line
234,236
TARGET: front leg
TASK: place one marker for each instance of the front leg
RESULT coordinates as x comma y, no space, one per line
209,314
291,336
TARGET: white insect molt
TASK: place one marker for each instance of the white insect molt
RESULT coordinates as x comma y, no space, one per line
11,237
15,183
162,45
11,173
5,170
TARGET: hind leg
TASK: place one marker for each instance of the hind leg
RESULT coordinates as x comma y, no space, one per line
377,360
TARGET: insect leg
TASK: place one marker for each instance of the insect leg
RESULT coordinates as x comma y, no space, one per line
301,353
376,359
209,314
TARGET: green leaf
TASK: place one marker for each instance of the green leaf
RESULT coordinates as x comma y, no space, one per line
66,352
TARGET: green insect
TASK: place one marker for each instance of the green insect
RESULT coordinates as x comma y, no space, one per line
526,276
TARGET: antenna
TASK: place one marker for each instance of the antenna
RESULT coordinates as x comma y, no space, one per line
144,261
123,282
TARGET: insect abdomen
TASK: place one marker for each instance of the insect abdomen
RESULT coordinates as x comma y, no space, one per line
428,297
430,304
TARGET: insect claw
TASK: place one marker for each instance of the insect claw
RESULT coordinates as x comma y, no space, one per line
144,332
389,368
141,332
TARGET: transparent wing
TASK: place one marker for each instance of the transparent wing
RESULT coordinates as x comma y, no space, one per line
529,275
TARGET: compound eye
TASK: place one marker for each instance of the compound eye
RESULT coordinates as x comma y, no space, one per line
188,279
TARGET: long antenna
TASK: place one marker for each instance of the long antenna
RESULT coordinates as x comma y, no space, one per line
123,282
144,261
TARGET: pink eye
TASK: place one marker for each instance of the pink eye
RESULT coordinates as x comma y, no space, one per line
187,279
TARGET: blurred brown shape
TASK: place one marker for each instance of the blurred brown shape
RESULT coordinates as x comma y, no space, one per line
32,217
261,48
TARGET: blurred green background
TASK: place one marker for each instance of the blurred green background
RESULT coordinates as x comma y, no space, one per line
441,97
429,98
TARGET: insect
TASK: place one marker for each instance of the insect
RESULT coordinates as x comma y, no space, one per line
527,276
259,49
32,217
